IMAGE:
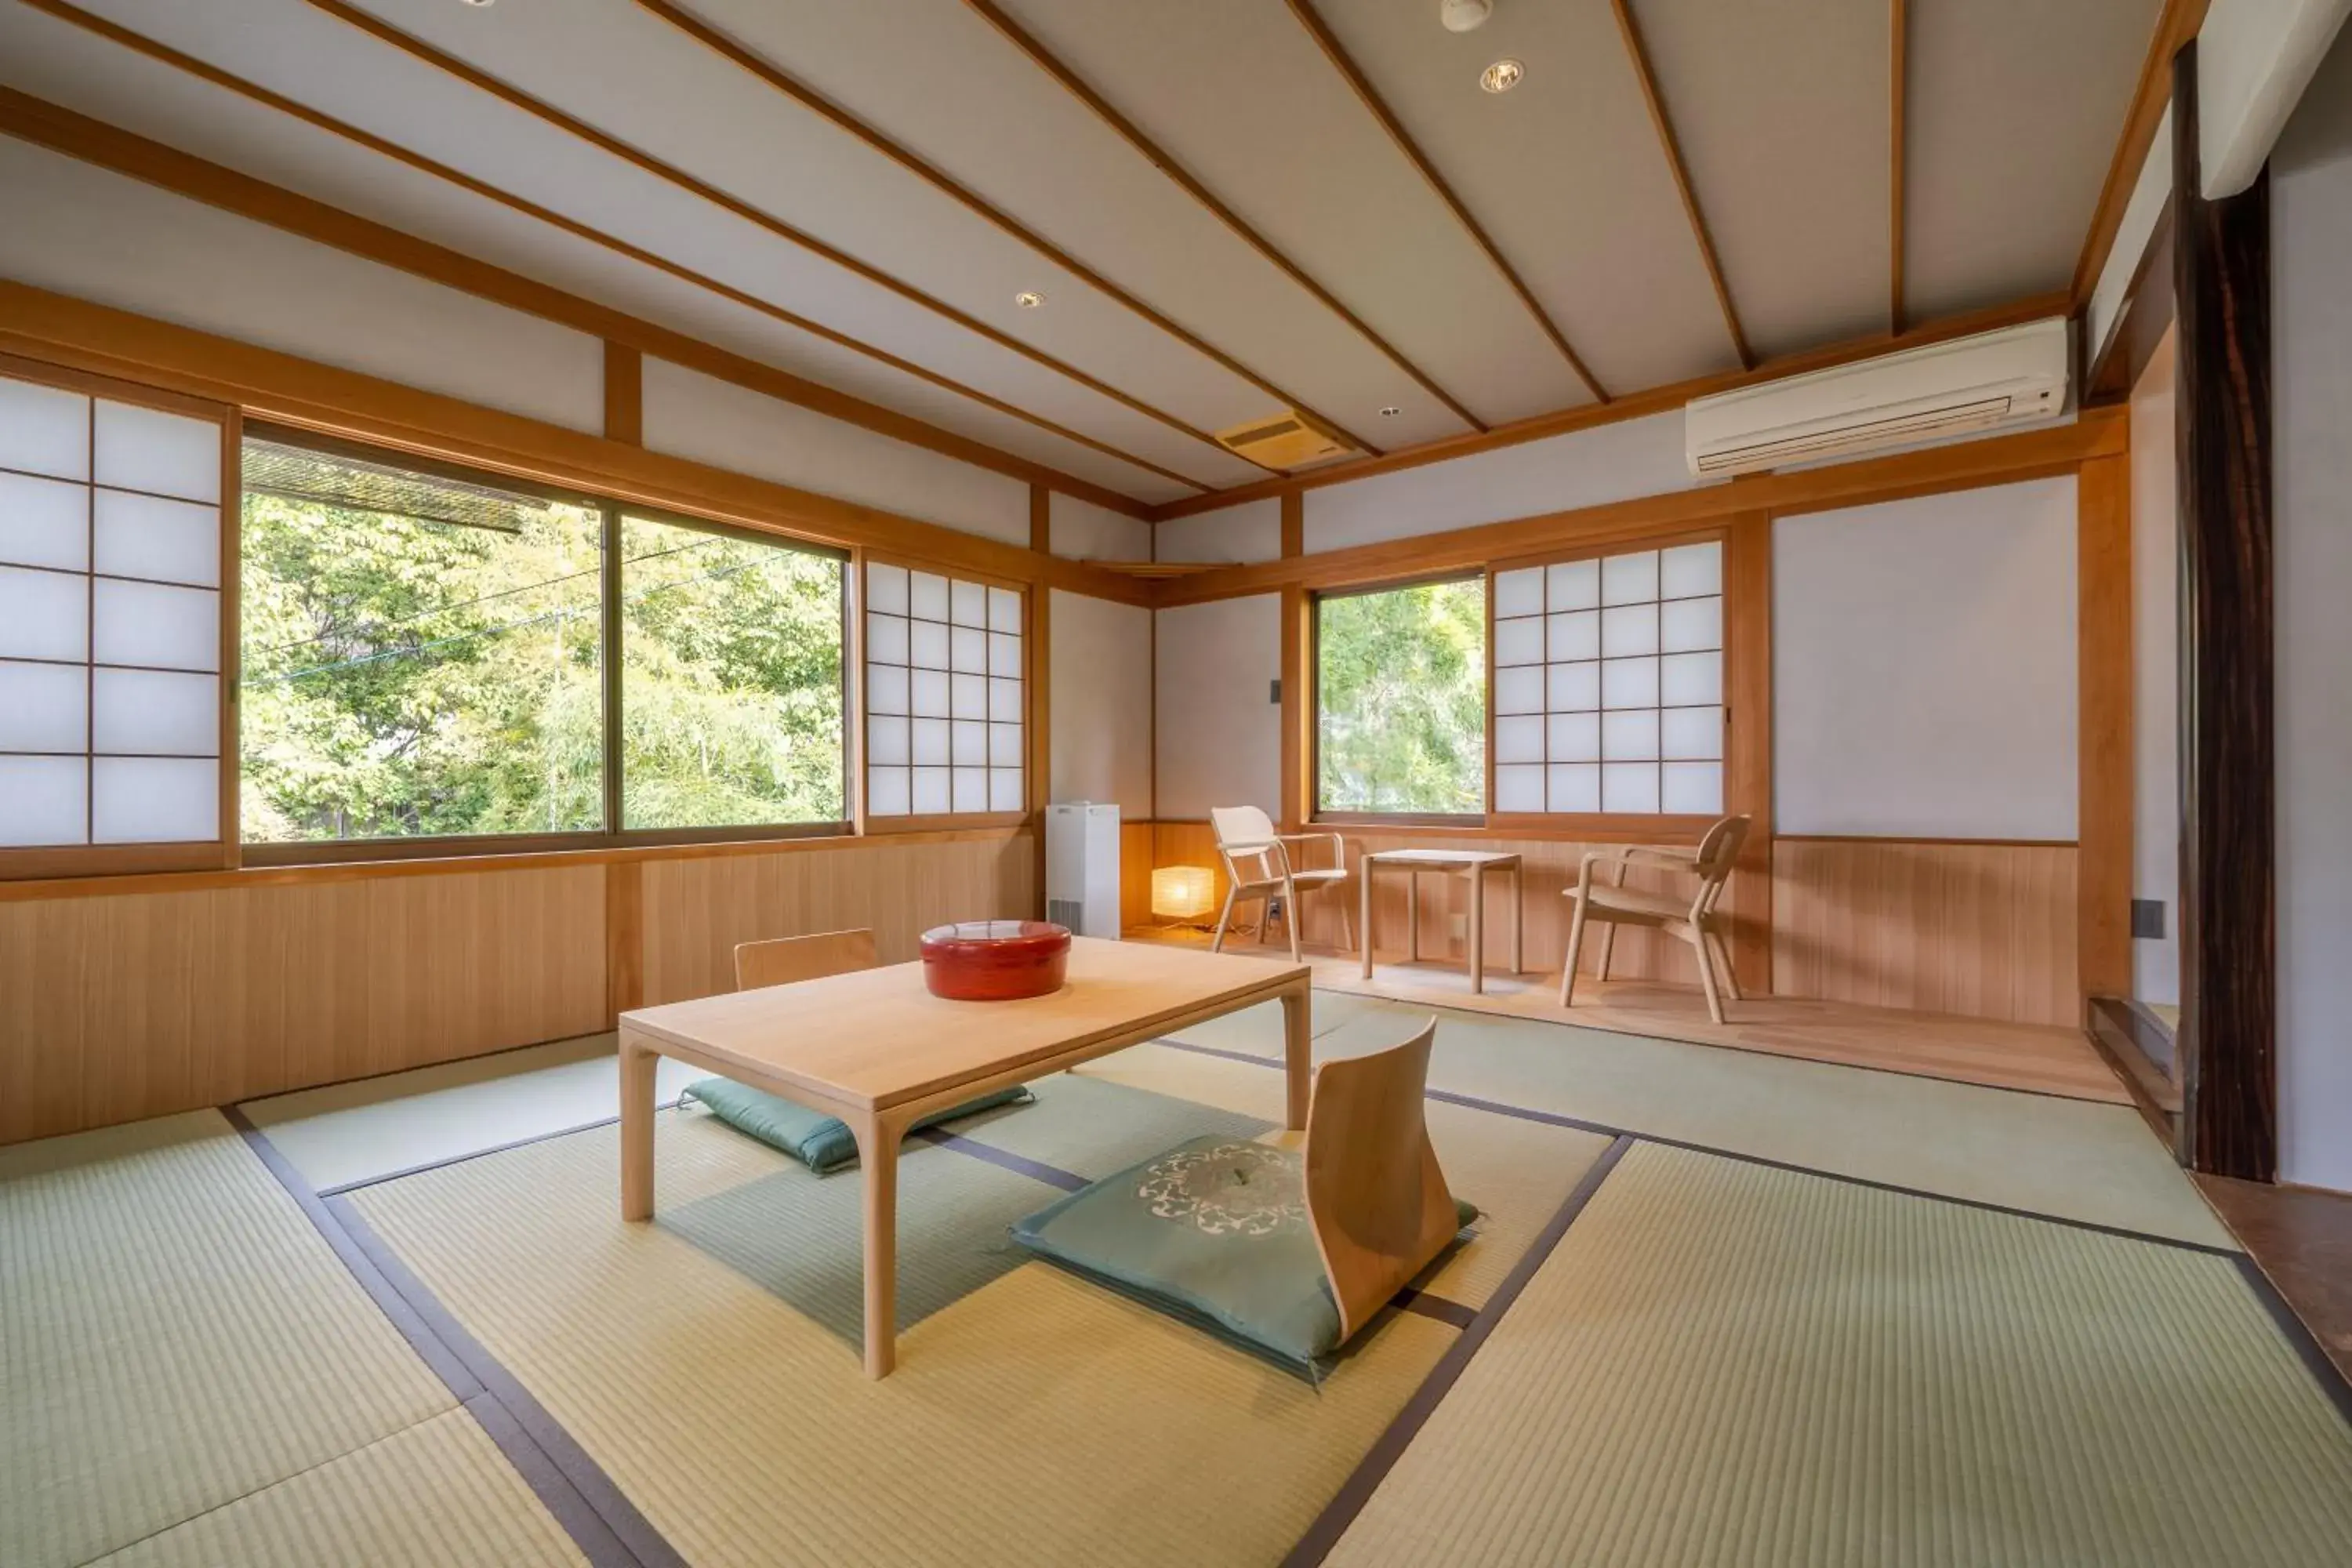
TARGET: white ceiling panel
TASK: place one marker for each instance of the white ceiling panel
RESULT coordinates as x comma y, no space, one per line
52,60
1283,141
2014,109
683,103
1564,171
961,97
1783,111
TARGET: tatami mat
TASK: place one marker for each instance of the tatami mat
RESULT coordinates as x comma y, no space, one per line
173,1335
1723,1362
437,1495
1038,1419
372,1128
2063,1157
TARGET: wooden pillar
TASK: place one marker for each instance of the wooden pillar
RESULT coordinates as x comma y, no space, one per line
1747,741
2104,827
1040,649
2229,978
1298,804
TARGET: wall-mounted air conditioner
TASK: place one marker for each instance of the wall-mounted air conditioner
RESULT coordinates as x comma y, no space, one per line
1983,383
1082,868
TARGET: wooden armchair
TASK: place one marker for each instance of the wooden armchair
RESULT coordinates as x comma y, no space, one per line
1696,922
1259,866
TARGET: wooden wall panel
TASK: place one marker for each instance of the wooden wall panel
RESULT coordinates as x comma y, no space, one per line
117,1007
695,910
1135,864
1985,930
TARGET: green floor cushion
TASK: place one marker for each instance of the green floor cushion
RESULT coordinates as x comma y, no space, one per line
1213,1232
823,1142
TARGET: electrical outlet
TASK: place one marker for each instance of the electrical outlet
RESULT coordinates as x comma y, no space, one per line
2148,919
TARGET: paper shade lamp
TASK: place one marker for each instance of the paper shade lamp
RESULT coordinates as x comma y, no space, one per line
1182,892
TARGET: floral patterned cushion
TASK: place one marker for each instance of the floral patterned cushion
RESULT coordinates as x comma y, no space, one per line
1214,1232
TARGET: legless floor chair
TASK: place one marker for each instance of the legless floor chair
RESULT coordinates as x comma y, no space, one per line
1287,1253
823,1142
1259,866
1695,919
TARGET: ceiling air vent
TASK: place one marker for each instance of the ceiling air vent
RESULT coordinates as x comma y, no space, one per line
1288,441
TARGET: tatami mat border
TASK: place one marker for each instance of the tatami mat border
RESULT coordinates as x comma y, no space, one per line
602,1522
340,1188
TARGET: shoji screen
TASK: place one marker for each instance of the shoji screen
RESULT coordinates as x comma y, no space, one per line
943,698
111,550
1608,693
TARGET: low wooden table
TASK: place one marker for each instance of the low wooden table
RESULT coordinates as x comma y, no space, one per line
879,1052
1476,865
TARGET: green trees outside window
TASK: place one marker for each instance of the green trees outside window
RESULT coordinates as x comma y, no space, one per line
1401,694
424,657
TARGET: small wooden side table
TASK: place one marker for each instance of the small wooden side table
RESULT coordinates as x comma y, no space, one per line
1476,865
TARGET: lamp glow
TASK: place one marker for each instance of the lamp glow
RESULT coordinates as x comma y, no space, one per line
1182,892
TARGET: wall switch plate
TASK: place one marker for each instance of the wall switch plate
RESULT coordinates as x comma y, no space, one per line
2148,919
1274,692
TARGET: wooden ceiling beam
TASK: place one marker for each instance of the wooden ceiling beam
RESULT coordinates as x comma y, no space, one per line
1631,406
2175,26
670,174
1366,94
1898,79
800,92
1631,32
93,142
1161,159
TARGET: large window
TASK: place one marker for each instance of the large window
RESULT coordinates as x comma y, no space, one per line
1400,699
730,681
1609,684
110,621
428,655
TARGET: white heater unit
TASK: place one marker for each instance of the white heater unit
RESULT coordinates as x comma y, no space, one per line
1082,868
1981,383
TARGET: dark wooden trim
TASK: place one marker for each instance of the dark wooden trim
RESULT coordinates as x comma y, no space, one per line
1160,158
2146,314
1366,94
1631,31
2228,975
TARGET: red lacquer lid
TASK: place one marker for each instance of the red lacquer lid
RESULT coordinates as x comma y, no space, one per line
994,961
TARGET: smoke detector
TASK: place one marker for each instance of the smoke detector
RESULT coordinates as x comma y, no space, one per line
1462,16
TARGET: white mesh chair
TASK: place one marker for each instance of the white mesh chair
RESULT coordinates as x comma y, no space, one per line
1259,866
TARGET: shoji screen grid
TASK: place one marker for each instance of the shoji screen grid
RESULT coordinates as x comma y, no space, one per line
110,620
1608,684
943,698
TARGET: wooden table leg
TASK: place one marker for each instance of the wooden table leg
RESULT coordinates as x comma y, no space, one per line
1518,920
1298,1053
1477,930
1364,875
639,1062
878,1166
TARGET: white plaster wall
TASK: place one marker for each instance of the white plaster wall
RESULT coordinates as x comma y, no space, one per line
1099,728
2311,326
78,229
1923,666
2156,676
1220,730
690,414
1083,531
1584,468
1250,531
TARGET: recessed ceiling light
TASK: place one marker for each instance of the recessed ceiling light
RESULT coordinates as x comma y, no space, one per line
1391,412
1502,76
478,2
1028,298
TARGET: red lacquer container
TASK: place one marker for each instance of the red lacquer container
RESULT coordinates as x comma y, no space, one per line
995,961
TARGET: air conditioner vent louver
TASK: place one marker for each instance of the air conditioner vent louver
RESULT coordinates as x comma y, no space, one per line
1287,440
1981,383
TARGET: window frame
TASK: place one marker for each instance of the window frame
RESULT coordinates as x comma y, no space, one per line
1312,697
611,835
871,826
32,862
1674,826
